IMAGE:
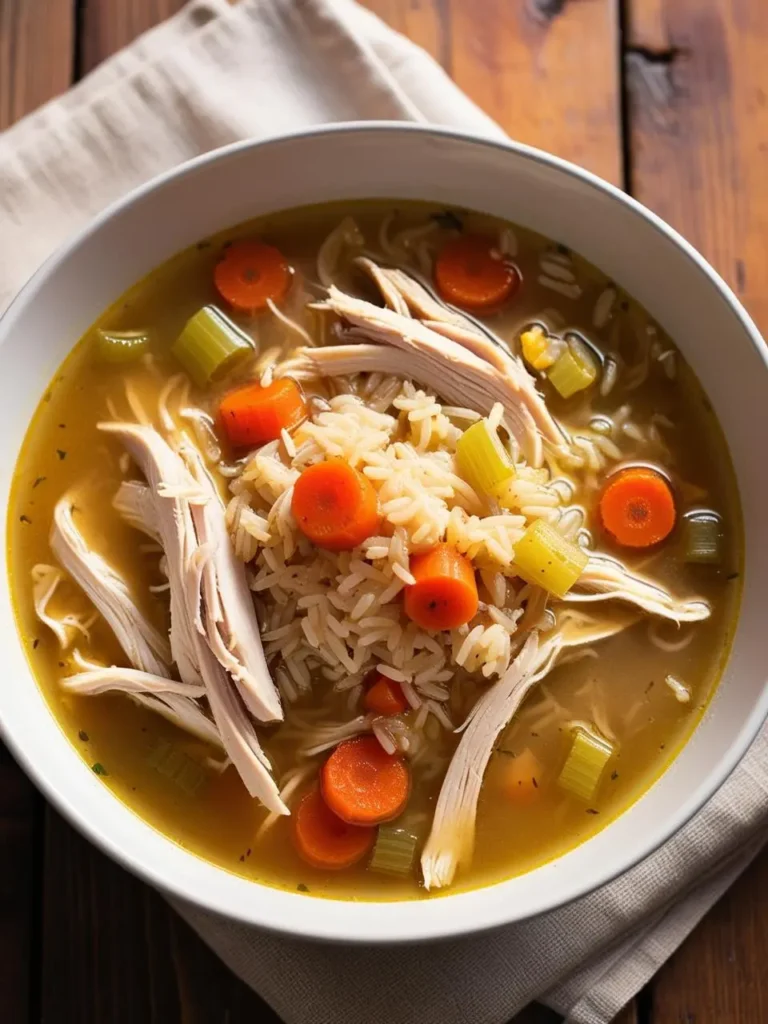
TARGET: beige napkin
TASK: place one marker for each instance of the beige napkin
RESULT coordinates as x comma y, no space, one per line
212,75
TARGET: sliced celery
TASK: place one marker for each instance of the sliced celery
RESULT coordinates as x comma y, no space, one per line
546,558
583,768
540,351
483,462
121,346
702,538
394,852
575,370
210,345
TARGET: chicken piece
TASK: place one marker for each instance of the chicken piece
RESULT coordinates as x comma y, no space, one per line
178,499
451,369
146,649
230,625
400,289
576,628
451,840
135,505
605,579
173,700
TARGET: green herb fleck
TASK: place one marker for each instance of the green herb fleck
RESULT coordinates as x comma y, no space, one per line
650,686
38,481
35,643
83,735
302,888
591,810
99,769
449,220
535,783
62,454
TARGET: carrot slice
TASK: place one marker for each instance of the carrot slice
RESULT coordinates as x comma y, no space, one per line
335,506
249,273
444,595
471,273
637,508
383,696
325,841
253,415
363,784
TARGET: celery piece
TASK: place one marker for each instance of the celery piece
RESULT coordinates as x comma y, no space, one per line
583,768
210,345
482,460
121,346
394,852
702,538
547,559
575,370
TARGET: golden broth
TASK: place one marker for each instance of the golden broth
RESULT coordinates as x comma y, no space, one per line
621,683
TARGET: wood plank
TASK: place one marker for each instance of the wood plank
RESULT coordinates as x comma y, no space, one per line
20,813
718,974
697,108
36,54
698,119
546,70
109,25
113,950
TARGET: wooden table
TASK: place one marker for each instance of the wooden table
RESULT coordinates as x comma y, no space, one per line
667,98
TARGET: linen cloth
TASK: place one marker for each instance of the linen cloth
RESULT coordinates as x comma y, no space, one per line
213,75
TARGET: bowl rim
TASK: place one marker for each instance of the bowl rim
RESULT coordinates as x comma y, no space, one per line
430,926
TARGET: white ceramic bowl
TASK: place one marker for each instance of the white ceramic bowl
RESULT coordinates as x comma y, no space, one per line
527,187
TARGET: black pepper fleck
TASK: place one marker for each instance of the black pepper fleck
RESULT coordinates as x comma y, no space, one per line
38,481
614,776
83,735
25,519
35,644
302,888
62,454
591,810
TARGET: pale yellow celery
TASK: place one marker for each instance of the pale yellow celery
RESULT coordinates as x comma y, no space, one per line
575,370
583,768
545,558
482,459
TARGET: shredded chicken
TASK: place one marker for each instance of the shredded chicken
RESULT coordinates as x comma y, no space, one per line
45,582
451,840
605,579
135,505
143,644
461,372
214,625
104,678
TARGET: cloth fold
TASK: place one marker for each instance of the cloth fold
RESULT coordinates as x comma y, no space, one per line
212,75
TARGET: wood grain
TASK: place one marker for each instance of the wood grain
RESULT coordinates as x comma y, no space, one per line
546,70
697,80
718,974
698,129
36,54
106,26
20,811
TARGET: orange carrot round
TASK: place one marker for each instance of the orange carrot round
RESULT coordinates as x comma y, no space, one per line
325,841
253,415
637,507
444,595
472,274
249,273
335,506
363,784
383,696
